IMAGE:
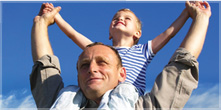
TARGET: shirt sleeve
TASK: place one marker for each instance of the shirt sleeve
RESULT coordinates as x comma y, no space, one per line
45,81
174,85
148,52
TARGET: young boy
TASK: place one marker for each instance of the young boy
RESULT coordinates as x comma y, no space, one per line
125,32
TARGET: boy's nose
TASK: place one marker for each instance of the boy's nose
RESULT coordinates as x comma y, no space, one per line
121,18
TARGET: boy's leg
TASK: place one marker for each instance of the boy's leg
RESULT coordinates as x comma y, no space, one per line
124,96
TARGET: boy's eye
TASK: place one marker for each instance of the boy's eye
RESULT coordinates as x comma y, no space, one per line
128,18
115,19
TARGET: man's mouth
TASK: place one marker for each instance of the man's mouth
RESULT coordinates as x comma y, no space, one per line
93,79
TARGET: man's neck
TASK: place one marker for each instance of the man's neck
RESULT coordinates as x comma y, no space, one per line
91,104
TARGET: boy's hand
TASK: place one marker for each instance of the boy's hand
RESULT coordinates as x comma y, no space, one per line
198,8
48,8
47,14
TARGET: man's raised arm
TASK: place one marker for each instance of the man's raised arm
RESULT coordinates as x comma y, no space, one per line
196,35
39,36
45,79
174,85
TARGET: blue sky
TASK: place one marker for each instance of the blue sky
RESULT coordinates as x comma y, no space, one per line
92,19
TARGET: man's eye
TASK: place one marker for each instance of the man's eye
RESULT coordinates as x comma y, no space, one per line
84,65
102,63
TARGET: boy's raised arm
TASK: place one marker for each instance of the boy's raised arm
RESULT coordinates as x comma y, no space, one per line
196,35
161,40
75,36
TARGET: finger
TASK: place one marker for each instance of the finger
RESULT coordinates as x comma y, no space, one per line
200,1
187,3
55,10
42,6
36,18
200,4
51,5
207,5
44,11
197,3
50,9
192,2
47,10
41,9
47,3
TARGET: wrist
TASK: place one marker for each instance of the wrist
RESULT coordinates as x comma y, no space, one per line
40,22
57,17
186,13
202,17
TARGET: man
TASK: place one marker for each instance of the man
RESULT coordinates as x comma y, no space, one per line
172,87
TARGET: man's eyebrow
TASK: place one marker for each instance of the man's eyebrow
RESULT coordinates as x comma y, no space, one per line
84,60
102,58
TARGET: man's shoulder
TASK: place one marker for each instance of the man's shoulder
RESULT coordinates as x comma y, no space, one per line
70,88
70,97
68,91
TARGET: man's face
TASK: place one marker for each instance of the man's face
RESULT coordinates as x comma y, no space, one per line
98,71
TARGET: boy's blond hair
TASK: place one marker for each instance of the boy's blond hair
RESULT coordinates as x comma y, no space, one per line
139,23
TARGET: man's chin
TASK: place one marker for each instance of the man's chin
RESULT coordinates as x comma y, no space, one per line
94,87
94,92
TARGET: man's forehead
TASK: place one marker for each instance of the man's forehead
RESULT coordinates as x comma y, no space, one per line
96,50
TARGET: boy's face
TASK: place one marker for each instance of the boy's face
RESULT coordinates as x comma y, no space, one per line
124,22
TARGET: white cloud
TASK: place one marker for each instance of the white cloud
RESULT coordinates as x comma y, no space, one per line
28,102
204,97
12,101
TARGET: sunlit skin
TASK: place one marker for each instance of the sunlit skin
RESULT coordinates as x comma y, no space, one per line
98,71
124,25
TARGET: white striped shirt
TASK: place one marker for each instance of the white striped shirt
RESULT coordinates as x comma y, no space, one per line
136,60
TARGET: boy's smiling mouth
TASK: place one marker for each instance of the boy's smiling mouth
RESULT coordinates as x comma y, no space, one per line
119,22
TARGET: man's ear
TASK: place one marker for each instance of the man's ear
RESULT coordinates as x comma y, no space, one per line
110,37
78,81
122,75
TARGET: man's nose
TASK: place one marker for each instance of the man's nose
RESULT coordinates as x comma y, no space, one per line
93,68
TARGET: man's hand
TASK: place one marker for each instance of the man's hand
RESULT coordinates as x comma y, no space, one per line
198,8
46,17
